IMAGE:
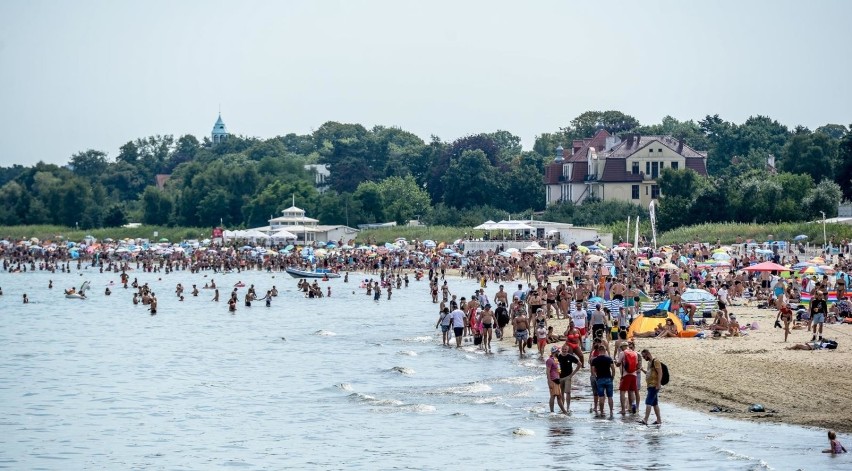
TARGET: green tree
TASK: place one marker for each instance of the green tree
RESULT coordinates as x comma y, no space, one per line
156,206
810,153
844,166
115,216
824,197
369,195
89,164
403,199
470,180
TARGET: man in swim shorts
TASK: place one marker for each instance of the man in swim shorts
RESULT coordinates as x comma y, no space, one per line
521,325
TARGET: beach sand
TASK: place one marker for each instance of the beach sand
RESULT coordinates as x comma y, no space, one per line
811,388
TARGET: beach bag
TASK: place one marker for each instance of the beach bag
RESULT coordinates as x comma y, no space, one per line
831,344
477,339
665,379
631,361
529,342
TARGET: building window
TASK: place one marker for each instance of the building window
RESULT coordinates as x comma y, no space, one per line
655,191
635,168
655,170
635,189
659,150
674,165
650,150
646,190
647,168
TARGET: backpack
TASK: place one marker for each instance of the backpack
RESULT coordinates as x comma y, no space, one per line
665,379
631,361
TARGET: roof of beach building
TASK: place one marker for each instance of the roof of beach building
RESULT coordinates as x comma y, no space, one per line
219,127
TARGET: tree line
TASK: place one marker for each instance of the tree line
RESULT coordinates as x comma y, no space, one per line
388,174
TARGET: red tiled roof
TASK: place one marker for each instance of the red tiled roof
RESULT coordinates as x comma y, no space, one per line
698,165
625,149
598,142
161,180
553,172
615,171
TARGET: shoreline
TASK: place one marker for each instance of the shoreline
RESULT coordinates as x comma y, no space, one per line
734,373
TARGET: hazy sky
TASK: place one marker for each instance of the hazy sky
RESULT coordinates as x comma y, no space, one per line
96,74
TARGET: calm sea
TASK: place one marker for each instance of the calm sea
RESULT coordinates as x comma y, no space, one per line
339,382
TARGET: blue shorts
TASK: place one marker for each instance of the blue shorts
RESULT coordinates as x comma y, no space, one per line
651,397
604,386
458,331
445,328
594,385
819,319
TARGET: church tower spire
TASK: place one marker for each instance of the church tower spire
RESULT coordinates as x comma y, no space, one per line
220,132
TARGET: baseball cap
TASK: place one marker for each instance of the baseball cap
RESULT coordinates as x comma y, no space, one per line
554,349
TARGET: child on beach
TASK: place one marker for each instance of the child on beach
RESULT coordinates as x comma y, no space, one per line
834,445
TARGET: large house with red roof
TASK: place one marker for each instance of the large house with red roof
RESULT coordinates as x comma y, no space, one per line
609,168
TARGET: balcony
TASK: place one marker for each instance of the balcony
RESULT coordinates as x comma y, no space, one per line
563,178
590,179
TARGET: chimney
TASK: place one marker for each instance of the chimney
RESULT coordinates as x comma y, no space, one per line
630,140
680,146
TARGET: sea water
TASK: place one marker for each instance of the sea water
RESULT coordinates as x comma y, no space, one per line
337,382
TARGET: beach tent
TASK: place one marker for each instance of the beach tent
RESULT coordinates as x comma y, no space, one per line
487,226
648,321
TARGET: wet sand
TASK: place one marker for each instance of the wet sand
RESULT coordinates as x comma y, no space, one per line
812,388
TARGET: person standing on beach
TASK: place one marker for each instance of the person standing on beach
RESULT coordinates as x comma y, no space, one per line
603,369
819,309
487,321
457,317
655,376
553,380
445,321
521,326
567,360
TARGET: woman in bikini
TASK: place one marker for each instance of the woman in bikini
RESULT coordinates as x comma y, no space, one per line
785,314
572,340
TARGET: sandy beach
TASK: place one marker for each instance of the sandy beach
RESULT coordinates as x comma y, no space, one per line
797,387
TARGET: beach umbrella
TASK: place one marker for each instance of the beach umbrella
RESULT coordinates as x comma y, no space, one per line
625,245
504,254
447,251
320,252
562,247
429,243
246,247
800,237
164,240
583,249
767,266
721,256
594,258
829,270
669,266
655,259
817,261
813,271
693,295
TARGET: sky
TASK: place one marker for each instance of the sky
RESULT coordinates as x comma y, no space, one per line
96,74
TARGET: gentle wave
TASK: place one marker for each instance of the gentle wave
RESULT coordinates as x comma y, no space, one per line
470,388
522,431
408,353
324,333
403,370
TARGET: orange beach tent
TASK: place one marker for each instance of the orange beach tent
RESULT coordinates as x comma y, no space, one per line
648,321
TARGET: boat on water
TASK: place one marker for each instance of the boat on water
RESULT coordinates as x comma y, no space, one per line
318,273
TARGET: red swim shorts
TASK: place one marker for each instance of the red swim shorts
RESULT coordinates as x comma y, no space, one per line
628,383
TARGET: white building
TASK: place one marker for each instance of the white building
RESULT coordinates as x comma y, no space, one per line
307,230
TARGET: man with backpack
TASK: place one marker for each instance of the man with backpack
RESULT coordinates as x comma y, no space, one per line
655,380
628,360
